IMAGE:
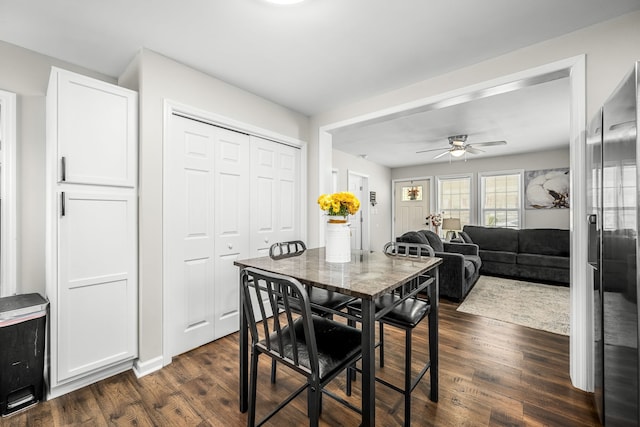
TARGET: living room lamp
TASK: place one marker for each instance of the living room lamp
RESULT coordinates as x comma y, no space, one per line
451,226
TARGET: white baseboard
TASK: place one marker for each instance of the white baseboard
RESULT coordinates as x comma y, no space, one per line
145,368
84,381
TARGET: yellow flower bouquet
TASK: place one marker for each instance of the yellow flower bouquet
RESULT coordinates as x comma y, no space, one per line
339,204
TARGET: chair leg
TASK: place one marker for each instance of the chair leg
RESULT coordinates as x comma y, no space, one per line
407,379
273,371
253,382
351,373
381,344
315,402
310,402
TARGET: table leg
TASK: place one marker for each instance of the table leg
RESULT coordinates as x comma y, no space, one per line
243,338
368,363
434,294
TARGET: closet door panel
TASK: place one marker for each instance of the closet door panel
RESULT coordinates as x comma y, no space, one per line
96,132
289,190
231,224
97,276
190,260
265,205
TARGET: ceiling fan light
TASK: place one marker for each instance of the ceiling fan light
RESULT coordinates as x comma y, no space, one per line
457,153
284,2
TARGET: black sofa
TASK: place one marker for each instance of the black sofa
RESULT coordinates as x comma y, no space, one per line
540,254
461,264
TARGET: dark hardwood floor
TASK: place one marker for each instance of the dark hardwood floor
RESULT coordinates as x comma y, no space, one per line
491,374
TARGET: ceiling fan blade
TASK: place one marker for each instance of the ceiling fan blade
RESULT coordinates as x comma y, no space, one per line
488,143
441,154
433,149
473,150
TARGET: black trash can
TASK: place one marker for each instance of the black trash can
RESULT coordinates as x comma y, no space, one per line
22,338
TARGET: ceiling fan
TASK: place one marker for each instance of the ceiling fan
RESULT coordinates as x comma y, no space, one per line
458,147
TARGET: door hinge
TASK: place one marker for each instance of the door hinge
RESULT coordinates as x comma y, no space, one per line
62,204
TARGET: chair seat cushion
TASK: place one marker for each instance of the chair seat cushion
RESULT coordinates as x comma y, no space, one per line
498,256
543,260
337,344
475,259
469,268
329,299
405,315
321,298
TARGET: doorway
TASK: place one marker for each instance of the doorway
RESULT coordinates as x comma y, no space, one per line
358,184
8,215
574,68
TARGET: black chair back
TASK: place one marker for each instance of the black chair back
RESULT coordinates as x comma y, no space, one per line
287,249
289,336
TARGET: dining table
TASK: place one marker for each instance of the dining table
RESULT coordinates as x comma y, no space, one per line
367,276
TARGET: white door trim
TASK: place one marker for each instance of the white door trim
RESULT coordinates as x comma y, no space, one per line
574,68
8,209
173,107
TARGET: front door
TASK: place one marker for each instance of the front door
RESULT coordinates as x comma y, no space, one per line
411,205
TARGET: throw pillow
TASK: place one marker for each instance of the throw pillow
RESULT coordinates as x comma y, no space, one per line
412,237
433,240
465,237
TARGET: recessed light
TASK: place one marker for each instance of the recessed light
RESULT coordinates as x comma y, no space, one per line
284,2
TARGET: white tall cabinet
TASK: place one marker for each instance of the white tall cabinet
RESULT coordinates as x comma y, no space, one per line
91,230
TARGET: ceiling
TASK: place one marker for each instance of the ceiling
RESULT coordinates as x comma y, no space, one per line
532,118
321,54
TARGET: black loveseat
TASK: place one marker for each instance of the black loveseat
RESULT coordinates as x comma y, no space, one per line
540,254
460,268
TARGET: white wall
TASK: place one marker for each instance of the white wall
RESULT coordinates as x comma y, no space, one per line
534,218
159,78
380,182
26,73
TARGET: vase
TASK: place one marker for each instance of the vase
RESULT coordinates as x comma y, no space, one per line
338,240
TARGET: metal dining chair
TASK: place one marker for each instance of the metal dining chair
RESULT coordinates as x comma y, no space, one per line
323,303
405,315
298,339
282,250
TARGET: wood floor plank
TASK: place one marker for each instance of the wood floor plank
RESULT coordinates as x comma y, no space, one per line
492,373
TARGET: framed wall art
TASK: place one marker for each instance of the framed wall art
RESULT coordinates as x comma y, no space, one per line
547,189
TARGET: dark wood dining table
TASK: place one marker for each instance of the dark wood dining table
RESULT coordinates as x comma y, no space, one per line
367,276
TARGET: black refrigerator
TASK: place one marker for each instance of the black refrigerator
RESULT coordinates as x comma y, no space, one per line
612,199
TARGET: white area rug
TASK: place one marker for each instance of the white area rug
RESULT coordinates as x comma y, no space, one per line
537,306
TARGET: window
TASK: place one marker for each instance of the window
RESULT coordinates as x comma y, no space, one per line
501,199
454,198
413,192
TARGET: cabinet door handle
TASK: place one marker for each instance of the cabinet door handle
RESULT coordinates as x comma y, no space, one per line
62,204
63,168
